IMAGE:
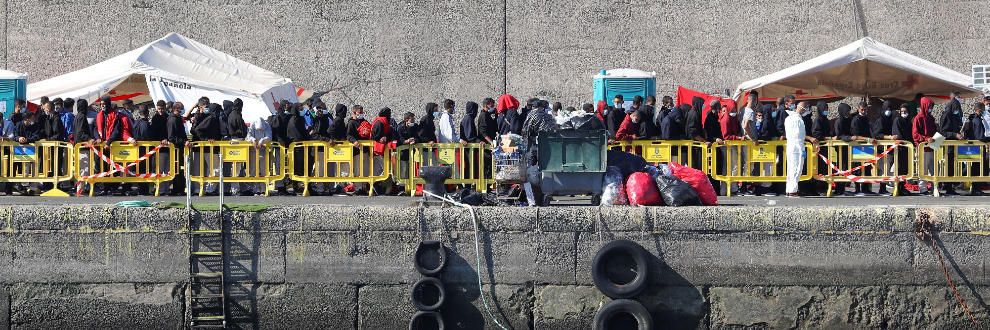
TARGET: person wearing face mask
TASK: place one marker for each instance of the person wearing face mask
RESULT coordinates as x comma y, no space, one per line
882,129
950,125
280,123
175,133
427,129
468,131
785,104
509,120
208,129
672,127
487,121
795,134
358,127
67,117
923,128
694,129
860,130
615,115
339,130
322,123
821,130
731,131
901,132
237,131
977,128
296,132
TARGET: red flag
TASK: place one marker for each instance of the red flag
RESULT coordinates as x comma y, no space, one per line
684,95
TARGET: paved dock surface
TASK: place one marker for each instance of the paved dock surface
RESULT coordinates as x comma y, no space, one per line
406,201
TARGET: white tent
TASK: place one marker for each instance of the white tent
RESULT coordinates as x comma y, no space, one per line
864,67
173,68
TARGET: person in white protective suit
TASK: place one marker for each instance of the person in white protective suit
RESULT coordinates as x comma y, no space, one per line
796,135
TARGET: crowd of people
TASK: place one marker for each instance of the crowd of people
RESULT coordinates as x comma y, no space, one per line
77,121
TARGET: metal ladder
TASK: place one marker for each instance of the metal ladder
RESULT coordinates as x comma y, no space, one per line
207,267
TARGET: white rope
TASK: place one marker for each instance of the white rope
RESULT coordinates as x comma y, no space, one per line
477,254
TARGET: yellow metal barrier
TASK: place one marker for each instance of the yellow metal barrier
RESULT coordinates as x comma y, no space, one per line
471,163
898,164
748,161
238,161
685,152
136,162
954,162
319,162
42,161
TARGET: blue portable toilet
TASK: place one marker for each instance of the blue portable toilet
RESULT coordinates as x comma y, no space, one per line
628,82
13,85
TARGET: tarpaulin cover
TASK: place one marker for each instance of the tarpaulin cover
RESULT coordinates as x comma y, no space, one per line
864,67
173,68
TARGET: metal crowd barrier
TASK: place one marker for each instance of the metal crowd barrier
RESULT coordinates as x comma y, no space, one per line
953,162
758,162
685,152
471,163
38,162
122,162
896,166
326,162
239,162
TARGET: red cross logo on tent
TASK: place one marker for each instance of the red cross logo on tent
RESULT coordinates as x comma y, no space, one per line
911,82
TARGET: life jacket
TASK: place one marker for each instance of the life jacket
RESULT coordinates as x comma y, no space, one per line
386,130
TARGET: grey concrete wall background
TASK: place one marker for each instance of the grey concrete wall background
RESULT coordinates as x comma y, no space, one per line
403,54
334,267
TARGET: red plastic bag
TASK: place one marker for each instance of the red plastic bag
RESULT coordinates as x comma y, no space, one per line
642,190
698,180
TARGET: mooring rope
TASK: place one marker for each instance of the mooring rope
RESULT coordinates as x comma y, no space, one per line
477,254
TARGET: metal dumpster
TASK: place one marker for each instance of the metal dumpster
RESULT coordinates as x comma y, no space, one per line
572,162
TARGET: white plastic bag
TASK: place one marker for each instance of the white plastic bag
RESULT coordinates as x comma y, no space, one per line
613,188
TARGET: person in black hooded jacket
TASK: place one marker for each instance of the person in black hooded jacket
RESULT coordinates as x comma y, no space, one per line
158,124
468,132
693,127
208,129
228,107
338,131
672,126
175,133
427,129
280,122
321,123
81,131
860,123
296,129
488,121
236,128
950,125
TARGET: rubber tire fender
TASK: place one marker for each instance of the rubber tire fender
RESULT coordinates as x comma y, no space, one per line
600,265
423,251
419,290
606,315
417,320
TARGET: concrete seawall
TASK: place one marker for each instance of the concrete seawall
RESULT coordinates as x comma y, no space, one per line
335,267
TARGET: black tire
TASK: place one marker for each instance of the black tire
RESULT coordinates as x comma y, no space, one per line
426,321
428,294
623,314
430,258
620,269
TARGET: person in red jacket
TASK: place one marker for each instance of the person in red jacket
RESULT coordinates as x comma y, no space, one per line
629,129
923,129
729,121
111,125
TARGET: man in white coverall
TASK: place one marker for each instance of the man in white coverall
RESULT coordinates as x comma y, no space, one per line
795,133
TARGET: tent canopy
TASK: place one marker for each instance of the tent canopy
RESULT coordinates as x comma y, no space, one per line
864,67
5,74
173,68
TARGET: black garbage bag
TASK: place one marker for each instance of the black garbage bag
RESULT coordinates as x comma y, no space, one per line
626,162
472,197
583,123
676,192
